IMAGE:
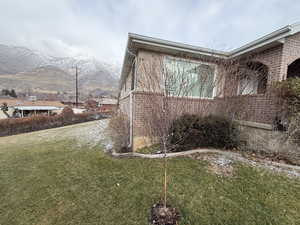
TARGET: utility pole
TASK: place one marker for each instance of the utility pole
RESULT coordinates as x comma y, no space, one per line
76,91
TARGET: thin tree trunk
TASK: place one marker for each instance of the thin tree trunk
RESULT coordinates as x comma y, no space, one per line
165,175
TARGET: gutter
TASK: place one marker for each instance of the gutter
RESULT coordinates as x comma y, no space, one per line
270,37
278,34
175,45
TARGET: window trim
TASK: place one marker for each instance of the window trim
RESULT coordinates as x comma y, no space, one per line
168,57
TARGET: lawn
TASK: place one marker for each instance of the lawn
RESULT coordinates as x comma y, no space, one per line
63,183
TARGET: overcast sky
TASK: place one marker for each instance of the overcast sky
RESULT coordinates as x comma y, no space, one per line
99,28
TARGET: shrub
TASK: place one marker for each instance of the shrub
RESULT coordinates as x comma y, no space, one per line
193,131
67,111
67,114
12,126
289,92
119,131
294,130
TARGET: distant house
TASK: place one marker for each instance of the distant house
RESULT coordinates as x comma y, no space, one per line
107,105
275,57
25,108
103,105
91,104
70,101
72,104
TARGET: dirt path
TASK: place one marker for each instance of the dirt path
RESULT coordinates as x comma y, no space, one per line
89,133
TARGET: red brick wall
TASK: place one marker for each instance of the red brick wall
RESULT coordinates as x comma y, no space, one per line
254,108
147,104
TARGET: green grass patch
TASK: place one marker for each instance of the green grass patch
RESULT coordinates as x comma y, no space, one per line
153,149
60,183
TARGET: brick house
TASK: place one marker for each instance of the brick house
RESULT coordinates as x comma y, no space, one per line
277,55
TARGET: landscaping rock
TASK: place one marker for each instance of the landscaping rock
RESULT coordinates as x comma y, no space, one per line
217,164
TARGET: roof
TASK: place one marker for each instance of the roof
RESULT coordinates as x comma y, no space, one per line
36,107
136,41
108,101
20,102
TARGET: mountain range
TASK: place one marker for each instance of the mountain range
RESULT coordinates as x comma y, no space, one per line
27,70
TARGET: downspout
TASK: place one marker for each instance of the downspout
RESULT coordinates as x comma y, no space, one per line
131,109
130,120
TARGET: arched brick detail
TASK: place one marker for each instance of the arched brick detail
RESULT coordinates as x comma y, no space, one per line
291,52
293,59
294,69
272,59
262,60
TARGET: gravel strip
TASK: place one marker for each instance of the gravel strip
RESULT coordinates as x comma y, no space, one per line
290,170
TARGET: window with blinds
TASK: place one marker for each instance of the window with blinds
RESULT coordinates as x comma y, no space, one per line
189,78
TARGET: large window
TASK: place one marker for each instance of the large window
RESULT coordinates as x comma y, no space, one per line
189,78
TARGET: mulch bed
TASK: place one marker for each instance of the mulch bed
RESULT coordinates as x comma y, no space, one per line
161,215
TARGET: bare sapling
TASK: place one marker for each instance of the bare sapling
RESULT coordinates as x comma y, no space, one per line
174,86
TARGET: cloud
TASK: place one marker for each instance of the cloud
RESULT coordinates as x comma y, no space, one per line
99,28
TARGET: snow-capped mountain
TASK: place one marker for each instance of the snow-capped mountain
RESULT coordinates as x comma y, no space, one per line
22,69
18,59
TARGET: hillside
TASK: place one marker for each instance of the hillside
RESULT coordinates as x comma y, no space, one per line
26,70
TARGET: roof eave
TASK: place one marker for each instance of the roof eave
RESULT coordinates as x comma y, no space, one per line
164,44
265,40
124,61
275,37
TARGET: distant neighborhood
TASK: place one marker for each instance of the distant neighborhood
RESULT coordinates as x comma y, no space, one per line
13,106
